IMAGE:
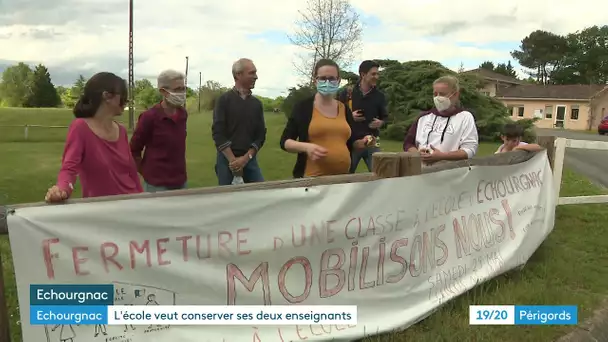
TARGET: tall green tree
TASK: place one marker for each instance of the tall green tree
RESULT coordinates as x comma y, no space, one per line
141,85
65,94
488,65
587,59
145,94
506,69
15,86
42,91
501,68
541,53
78,88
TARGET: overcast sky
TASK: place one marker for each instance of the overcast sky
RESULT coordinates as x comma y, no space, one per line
76,37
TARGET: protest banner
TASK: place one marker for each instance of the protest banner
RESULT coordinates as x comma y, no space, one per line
397,248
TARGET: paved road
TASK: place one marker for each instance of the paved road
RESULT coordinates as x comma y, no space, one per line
591,163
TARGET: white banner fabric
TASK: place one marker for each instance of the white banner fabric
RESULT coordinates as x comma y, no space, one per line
397,248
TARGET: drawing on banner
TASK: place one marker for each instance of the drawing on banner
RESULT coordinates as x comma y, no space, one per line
127,326
138,294
66,333
124,294
152,301
101,328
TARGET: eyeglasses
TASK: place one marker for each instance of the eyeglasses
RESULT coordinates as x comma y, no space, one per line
329,79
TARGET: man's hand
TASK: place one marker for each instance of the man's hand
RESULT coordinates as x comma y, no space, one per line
358,115
432,155
315,152
377,123
364,143
239,163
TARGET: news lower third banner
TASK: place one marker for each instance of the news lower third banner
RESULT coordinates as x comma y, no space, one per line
523,314
93,305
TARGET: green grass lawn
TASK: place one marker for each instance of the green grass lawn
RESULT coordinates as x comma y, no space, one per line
571,267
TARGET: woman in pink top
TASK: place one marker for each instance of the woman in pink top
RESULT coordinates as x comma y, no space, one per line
97,147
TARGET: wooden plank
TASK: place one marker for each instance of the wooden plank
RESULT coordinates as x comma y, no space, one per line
587,144
558,170
282,184
39,126
548,142
500,159
598,199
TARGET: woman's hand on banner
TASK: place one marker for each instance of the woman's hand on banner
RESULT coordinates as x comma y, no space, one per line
55,194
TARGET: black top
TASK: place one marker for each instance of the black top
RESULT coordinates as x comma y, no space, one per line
373,105
238,123
297,129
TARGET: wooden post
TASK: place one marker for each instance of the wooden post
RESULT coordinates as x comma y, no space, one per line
548,142
5,335
26,131
200,86
386,164
411,164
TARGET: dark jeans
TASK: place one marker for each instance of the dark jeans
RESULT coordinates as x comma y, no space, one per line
365,154
251,172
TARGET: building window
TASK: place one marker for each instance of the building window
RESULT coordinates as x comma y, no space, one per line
548,112
510,110
520,111
574,112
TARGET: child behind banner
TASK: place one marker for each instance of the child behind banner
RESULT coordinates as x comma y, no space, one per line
511,135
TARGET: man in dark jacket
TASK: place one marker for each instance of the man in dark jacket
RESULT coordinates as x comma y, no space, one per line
239,130
368,105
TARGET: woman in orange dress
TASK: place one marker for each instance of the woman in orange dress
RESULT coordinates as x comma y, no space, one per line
319,129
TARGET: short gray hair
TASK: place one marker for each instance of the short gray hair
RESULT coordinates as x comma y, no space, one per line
238,66
167,77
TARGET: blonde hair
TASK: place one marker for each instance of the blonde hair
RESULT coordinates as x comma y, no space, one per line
451,81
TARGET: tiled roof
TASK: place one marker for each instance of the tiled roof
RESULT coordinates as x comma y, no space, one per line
488,74
566,92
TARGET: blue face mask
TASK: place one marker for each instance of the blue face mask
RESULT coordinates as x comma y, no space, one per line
327,87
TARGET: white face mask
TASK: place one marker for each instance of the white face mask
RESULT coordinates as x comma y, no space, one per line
442,103
176,99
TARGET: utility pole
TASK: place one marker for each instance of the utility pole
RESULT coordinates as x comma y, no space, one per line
200,86
131,81
186,80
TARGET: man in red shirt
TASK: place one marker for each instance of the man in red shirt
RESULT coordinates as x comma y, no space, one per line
161,135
